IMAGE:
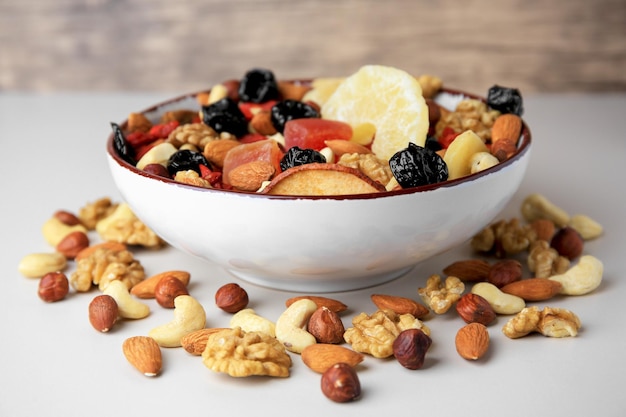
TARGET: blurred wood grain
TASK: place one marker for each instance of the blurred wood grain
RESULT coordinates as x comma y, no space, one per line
185,45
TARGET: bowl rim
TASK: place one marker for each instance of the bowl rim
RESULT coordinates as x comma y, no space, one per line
523,147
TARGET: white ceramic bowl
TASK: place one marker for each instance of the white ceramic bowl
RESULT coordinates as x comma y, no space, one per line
318,244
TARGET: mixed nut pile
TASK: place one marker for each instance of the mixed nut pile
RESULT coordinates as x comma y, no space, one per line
212,149
546,241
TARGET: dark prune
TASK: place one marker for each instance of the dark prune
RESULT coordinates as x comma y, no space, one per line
225,116
122,146
433,143
258,86
505,100
296,156
287,110
185,160
415,166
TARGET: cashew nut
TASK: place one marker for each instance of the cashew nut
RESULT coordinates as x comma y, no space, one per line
54,230
290,326
128,307
159,154
502,303
36,265
189,316
249,321
582,278
586,226
536,206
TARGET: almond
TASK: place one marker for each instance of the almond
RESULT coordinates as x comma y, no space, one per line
399,305
329,303
195,342
533,289
215,151
506,126
469,270
144,354
146,288
320,356
251,175
472,341
261,123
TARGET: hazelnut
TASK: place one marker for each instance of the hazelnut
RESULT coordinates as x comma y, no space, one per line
231,298
410,348
340,383
103,312
504,272
53,286
167,289
72,244
568,243
475,309
326,326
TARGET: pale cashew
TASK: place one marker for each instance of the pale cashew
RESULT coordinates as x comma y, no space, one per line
54,230
128,306
586,226
502,303
291,324
249,321
189,316
36,265
159,154
582,278
536,206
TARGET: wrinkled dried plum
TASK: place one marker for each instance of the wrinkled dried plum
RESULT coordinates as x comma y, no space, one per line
415,166
287,110
224,116
185,160
433,143
505,100
296,156
258,86
121,145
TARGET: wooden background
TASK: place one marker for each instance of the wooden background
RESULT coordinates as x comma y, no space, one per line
185,45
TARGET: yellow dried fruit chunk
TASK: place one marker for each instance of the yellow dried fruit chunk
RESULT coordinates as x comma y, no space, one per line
459,154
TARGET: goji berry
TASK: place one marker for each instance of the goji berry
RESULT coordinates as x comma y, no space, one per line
163,130
447,136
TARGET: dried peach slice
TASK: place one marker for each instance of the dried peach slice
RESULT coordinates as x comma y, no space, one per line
322,179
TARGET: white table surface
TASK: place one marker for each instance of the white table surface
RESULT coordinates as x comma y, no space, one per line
52,362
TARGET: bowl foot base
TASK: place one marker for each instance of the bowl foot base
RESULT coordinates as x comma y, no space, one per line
320,284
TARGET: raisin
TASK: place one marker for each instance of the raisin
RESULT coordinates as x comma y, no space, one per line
296,156
121,145
415,166
224,116
258,86
287,110
505,100
185,160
